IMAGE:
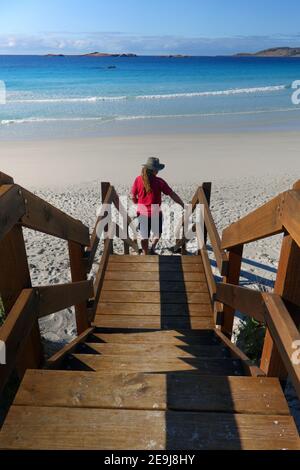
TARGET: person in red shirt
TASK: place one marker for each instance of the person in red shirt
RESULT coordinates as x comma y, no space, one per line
146,193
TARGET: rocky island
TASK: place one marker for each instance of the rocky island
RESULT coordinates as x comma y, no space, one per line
273,52
105,54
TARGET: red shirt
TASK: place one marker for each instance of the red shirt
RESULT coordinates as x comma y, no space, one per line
144,200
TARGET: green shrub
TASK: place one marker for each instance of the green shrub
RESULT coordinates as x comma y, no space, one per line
250,338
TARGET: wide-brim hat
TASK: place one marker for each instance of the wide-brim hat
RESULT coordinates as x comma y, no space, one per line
154,164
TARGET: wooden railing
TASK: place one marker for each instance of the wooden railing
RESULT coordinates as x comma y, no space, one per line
202,196
25,304
281,310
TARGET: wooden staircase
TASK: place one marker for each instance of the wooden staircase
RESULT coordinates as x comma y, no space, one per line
153,366
152,373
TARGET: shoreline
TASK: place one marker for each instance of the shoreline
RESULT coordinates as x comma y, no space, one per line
188,157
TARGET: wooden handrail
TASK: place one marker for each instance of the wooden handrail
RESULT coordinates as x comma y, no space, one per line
245,300
193,203
91,250
12,208
15,330
51,299
285,334
268,308
279,214
42,216
220,255
291,214
262,222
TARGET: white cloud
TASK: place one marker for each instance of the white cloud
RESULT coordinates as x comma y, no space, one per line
118,42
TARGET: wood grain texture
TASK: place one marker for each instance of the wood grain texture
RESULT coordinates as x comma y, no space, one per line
164,310
155,276
152,391
81,428
161,259
159,350
155,297
148,321
152,363
155,286
155,267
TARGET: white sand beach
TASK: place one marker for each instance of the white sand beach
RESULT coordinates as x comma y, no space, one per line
188,157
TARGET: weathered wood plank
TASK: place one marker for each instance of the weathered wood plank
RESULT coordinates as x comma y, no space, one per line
161,259
172,337
152,363
155,286
291,214
247,301
211,283
285,334
82,428
16,329
154,267
12,208
61,296
78,273
155,297
175,391
154,276
233,275
263,222
5,179
107,197
14,277
123,321
56,359
108,308
138,350
287,286
220,255
42,216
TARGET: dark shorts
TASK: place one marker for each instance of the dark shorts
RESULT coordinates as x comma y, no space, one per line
150,224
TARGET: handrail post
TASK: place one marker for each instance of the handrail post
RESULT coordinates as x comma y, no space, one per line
78,273
207,191
287,285
14,277
233,275
104,190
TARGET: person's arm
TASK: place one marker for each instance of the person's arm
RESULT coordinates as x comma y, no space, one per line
177,199
134,197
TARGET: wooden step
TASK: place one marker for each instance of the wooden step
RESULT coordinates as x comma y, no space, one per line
33,427
155,267
138,308
155,297
152,391
157,259
155,276
159,350
173,337
164,322
152,363
155,286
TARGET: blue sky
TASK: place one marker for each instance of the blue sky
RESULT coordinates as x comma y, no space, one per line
200,27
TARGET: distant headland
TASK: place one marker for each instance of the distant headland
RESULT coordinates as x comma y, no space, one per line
94,54
273,52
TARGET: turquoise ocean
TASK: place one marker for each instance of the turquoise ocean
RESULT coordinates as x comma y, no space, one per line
89,96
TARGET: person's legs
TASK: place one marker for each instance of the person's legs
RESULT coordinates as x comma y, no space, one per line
145,233
156,227
145,246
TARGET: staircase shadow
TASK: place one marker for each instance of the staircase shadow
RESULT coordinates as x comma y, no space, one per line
192,420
